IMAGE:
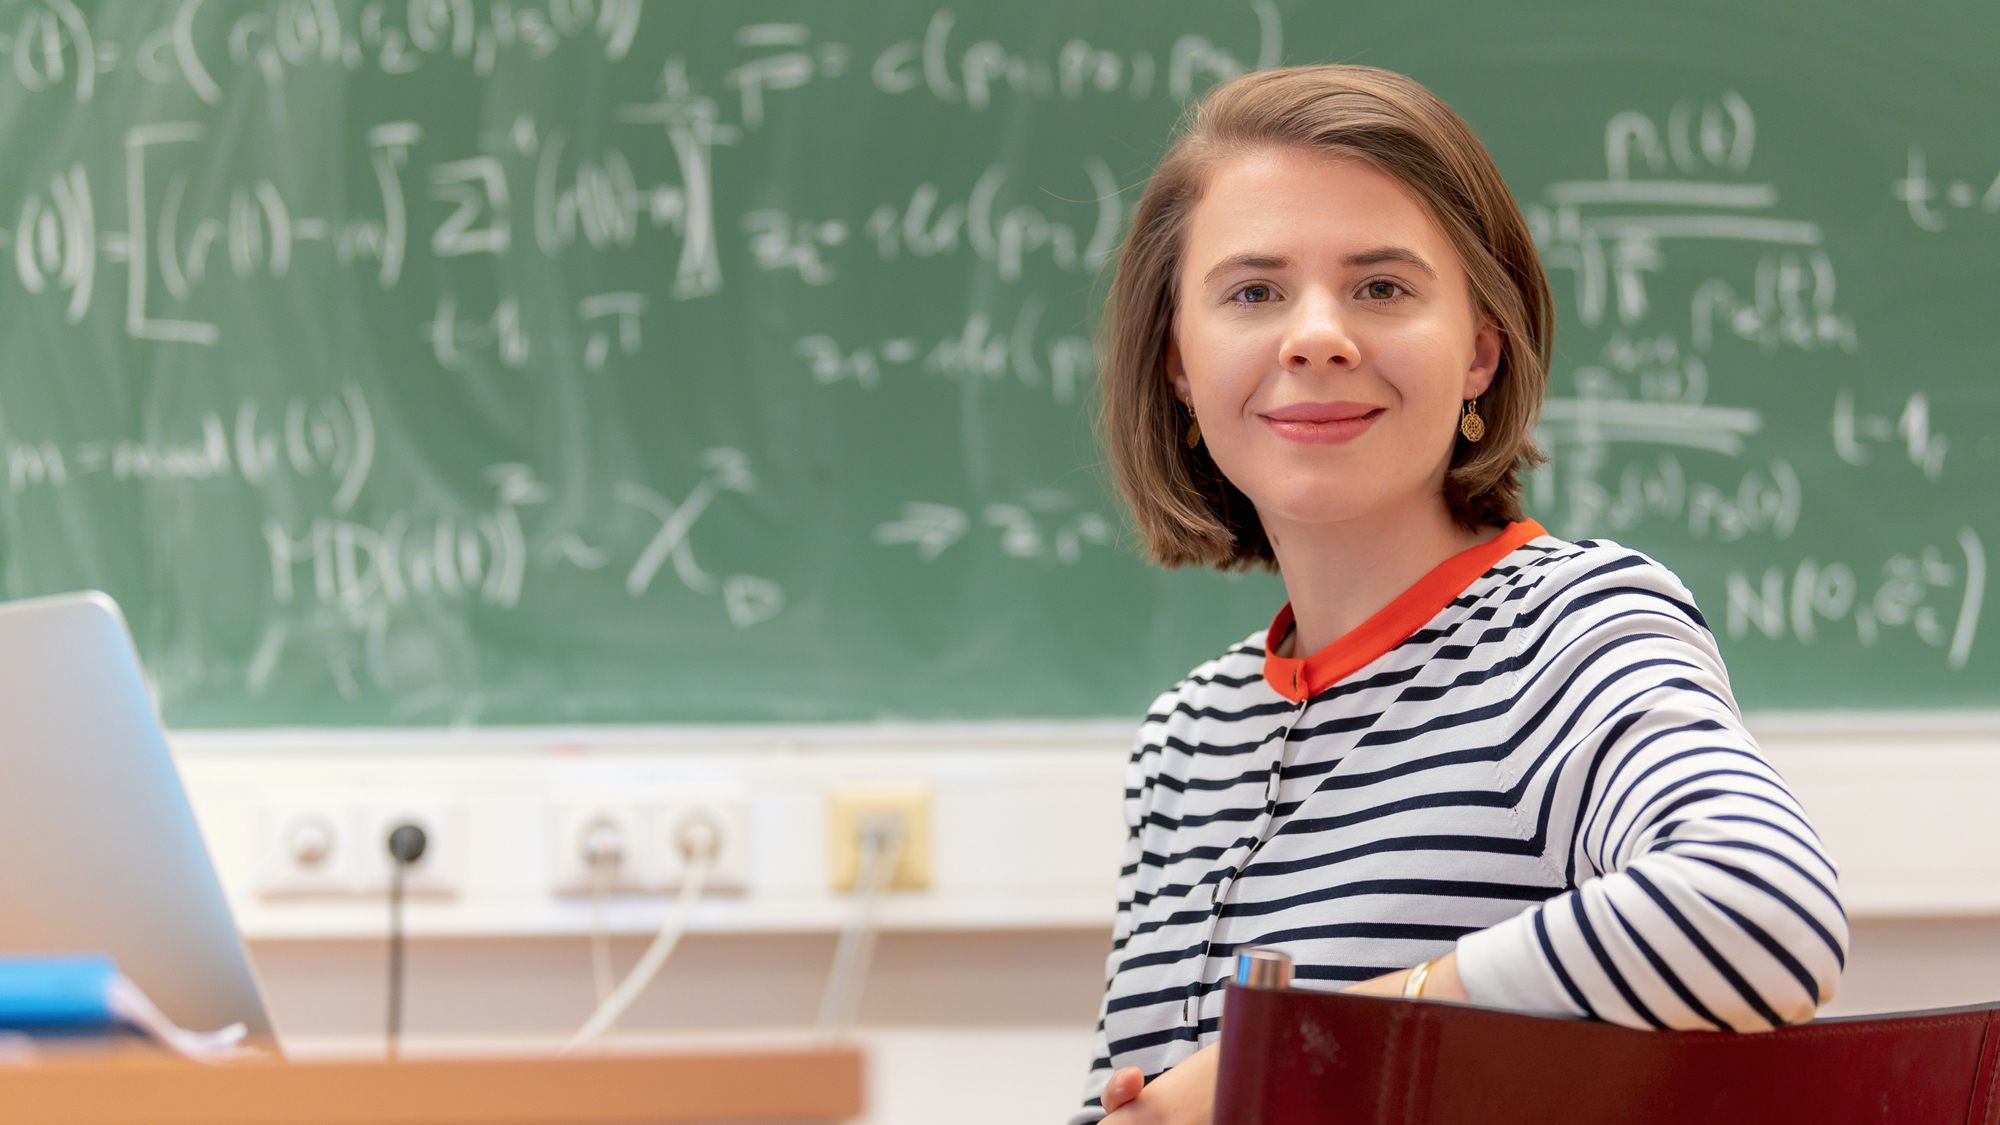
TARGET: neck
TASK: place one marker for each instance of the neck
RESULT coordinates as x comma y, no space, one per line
1340,574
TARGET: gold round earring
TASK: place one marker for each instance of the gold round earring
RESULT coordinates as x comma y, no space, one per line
1470,423
1193,430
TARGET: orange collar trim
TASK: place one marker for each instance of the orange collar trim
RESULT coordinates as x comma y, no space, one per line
1297,679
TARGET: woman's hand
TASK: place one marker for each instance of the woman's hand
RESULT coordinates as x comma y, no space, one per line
1184,1095
1442,984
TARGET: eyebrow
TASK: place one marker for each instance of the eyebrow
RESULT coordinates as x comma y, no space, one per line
1372,257
1247,261
1390,254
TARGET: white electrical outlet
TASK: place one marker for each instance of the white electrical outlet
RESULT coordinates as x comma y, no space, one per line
727,814
594,839
305,847
437,871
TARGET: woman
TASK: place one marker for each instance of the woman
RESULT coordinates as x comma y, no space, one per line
1468,761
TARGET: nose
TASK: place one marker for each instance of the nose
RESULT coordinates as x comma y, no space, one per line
1318,339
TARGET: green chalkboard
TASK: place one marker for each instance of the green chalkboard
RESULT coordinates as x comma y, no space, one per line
461,361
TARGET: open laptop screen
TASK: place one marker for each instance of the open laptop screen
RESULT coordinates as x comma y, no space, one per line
99,849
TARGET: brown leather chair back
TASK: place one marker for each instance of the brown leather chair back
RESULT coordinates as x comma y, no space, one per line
1298,1057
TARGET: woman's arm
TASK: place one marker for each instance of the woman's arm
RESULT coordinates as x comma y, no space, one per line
1185,1095
1702,898
1440,982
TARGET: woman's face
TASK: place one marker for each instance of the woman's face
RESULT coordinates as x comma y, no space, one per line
1325,338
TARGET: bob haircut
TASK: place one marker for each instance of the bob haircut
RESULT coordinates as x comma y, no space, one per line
1187,511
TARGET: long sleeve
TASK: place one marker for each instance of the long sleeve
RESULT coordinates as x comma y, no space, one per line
1701,896
1121,931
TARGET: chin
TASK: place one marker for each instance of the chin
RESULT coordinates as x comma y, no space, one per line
1327,502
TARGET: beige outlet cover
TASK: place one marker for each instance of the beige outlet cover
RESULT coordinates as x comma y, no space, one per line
849,806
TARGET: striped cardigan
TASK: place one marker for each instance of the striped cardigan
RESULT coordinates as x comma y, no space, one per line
1532,757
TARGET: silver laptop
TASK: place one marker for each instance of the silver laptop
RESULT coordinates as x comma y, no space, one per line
99,850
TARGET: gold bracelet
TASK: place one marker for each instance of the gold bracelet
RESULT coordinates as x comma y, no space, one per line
1413,985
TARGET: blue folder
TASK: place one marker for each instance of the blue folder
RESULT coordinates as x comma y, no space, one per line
41,992
56,995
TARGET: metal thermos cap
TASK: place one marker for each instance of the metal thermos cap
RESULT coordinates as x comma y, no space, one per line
1263,968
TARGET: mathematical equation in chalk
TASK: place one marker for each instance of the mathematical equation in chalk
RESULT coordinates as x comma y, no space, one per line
335,578
1788,299
975,74
1693,282
174,244
1930,201
979,351
330,439
1677,187
360,568
54,47
252,233
1045,523
370,569
1806,602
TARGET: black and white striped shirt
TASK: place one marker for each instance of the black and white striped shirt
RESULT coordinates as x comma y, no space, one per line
1533,757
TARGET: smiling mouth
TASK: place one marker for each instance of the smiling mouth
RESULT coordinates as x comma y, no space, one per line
1321,427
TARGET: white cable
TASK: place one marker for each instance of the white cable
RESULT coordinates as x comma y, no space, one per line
131,1005
875,869
600,932
700,857
603,848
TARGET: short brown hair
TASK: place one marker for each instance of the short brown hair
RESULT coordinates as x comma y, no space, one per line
1187,511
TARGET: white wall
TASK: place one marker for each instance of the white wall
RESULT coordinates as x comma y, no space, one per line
996,969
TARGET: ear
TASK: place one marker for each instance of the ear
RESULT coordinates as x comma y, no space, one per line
1486,345
1177,372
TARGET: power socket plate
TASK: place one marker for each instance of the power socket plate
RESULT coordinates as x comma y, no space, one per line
437,872
728,811
571,820
850,807
283,822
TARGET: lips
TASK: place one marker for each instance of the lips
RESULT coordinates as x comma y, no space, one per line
1322,423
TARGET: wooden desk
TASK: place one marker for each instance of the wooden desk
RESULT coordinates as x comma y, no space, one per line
140,1087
